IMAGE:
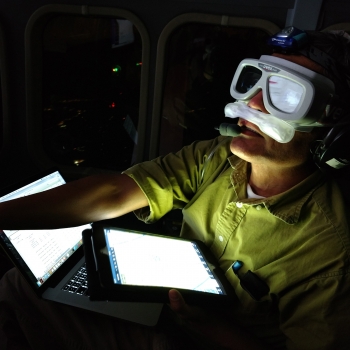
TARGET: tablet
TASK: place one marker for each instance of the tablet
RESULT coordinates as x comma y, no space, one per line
140,266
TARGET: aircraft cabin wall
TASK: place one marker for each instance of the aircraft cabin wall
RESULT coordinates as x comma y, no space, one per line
97,86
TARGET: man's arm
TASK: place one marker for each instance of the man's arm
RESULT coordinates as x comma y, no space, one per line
90,199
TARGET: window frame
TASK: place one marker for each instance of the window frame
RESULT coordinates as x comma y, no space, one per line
165,35
34,73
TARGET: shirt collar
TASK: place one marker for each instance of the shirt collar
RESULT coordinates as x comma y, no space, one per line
285,206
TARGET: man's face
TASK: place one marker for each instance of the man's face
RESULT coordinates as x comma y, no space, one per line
254,146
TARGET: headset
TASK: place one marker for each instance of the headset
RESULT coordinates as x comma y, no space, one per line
332,153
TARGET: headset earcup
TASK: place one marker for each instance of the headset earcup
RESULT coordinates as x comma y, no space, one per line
333,152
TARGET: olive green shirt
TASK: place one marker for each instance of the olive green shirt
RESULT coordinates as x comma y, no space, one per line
297,241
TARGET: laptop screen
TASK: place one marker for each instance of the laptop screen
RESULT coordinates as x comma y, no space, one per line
41,252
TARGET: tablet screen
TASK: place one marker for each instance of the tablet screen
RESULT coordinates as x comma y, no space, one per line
148,260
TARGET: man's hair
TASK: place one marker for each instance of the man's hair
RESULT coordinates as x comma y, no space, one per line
331,50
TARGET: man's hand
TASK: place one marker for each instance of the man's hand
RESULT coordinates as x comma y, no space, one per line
211,326
190,316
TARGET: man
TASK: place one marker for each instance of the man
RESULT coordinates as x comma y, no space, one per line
266,211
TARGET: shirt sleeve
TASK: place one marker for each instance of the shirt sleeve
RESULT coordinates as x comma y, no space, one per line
171,181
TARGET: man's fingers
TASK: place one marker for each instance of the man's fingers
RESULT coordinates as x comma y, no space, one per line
178,304
183,310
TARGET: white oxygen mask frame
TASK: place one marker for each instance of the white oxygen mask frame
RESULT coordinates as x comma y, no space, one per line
276,128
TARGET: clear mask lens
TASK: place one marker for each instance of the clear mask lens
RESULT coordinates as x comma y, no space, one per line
248,78
276,128
285,94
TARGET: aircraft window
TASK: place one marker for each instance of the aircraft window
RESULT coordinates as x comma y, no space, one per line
91,91
199,62
86,88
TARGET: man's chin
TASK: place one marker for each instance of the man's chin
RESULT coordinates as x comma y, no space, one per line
243,143
245,149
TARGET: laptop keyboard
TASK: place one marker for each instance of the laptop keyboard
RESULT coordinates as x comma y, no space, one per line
78,283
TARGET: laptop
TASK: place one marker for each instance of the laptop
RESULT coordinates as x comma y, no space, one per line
53,262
